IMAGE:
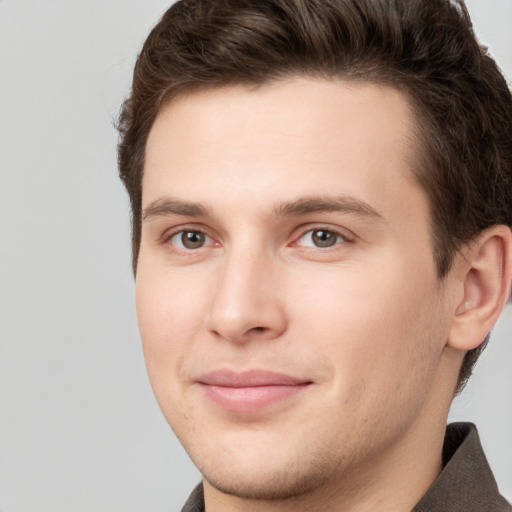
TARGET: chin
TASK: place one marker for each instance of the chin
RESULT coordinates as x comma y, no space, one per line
266,484
258,473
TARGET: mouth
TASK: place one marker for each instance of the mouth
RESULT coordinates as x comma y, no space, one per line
249,391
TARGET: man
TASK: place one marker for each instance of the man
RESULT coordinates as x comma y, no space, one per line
321,198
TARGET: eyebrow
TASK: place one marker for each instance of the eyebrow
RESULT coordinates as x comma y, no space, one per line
169,206
342,204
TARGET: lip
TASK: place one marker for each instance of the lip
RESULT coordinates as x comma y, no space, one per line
251,390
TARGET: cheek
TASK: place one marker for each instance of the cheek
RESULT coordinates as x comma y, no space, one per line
168,305
375,326
382,359
168,322
169,314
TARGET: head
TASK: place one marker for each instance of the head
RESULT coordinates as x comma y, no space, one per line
426,50
224,61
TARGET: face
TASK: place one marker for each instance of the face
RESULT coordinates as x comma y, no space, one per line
287,296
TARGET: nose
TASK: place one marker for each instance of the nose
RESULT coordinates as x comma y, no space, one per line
247,303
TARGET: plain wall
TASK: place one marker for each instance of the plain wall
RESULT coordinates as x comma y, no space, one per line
79,427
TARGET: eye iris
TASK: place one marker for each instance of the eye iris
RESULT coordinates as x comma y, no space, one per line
322,238
192,239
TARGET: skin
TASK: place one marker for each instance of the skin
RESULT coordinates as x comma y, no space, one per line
365,322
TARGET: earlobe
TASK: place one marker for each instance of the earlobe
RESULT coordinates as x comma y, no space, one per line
486,277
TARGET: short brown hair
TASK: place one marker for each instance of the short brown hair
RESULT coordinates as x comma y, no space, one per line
425,48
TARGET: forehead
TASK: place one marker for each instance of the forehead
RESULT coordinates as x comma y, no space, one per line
281,140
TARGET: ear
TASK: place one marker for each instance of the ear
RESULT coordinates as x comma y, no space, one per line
484,270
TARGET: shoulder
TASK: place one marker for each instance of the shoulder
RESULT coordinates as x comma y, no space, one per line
466,483
195,502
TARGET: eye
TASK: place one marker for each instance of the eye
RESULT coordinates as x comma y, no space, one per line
321,238
190,239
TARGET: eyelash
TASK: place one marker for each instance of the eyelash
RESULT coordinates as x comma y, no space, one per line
340,239
181,233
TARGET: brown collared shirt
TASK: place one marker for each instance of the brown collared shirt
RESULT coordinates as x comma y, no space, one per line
466,483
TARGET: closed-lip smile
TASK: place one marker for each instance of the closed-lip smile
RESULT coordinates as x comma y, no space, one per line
249,391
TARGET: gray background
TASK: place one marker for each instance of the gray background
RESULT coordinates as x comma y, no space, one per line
79,427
